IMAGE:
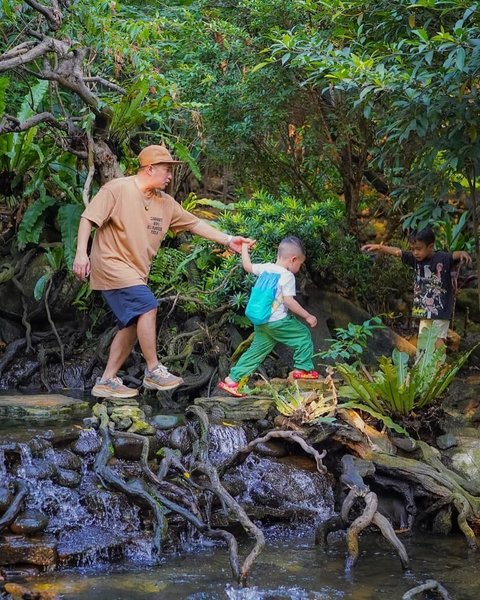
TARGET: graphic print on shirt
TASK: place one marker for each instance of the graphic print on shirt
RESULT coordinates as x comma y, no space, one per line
156,225
433,292
429,292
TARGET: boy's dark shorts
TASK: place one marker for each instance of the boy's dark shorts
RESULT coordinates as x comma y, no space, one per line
127,304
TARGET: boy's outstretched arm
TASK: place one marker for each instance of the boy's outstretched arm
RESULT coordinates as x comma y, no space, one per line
246,262
462,256
297,309
392,250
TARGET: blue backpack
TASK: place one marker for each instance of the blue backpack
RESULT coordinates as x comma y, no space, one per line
262,297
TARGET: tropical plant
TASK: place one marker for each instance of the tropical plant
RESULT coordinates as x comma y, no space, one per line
268,218
396,389
349,343
305,407
55,262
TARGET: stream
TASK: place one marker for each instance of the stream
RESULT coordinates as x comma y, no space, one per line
290,567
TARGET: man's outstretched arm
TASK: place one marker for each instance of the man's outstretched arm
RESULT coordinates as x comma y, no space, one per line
234,242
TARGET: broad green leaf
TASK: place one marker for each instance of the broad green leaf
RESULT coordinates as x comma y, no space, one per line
69,218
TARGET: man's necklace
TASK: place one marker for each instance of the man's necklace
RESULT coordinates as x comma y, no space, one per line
146,205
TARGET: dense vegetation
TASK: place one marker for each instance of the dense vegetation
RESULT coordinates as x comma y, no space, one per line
313,117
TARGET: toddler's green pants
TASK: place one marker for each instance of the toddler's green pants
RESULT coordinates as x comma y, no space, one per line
288,331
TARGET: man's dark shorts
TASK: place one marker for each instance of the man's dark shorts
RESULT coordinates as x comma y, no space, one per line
127,304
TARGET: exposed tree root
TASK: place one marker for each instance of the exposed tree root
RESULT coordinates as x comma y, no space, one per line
201,464
426,475
291,436
429,585
352,478
110,479
16,505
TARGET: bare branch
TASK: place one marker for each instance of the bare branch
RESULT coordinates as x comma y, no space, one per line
14,59
53,15
10,124
20,49
106,83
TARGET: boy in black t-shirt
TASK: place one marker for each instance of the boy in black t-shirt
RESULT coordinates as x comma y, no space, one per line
433,287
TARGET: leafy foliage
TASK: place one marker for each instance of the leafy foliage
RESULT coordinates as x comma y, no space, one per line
305,407
351,342
396,389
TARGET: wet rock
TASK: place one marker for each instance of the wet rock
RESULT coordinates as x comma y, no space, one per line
88,442
462,403
465,457
442,522
38,469
41,551
168,421
180,440
131,412
88,541
235,486
117,402
15,590
30,521
20,572
6,496
41,407
141,427
128,448
446,441
263,424
147,409
66,459
273,484
39,445
407,444
91,422
271,448
67,478
237,409
162,437
62,435
123,424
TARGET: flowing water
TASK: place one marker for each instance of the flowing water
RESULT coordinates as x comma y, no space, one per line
290,567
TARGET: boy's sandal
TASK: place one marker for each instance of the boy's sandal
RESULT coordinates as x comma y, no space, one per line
299,374
231,389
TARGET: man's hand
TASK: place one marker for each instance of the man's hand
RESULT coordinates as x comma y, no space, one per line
311,320
81,266
463,257
237,241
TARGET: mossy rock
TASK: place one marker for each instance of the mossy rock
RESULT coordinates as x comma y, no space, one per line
142,428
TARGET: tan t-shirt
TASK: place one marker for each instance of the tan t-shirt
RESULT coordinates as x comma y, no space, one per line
128,236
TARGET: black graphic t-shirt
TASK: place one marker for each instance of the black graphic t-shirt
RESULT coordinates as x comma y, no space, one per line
432,288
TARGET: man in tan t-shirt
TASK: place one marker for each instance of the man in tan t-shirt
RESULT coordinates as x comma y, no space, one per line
132,216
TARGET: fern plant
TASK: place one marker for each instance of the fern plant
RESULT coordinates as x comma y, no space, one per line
305,408
395,390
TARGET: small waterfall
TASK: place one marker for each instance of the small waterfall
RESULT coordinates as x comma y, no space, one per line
276,484
3,465
224,441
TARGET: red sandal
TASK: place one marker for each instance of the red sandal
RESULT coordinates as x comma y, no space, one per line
231,389
299,374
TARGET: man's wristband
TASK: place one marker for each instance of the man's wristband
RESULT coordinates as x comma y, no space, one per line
229,239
